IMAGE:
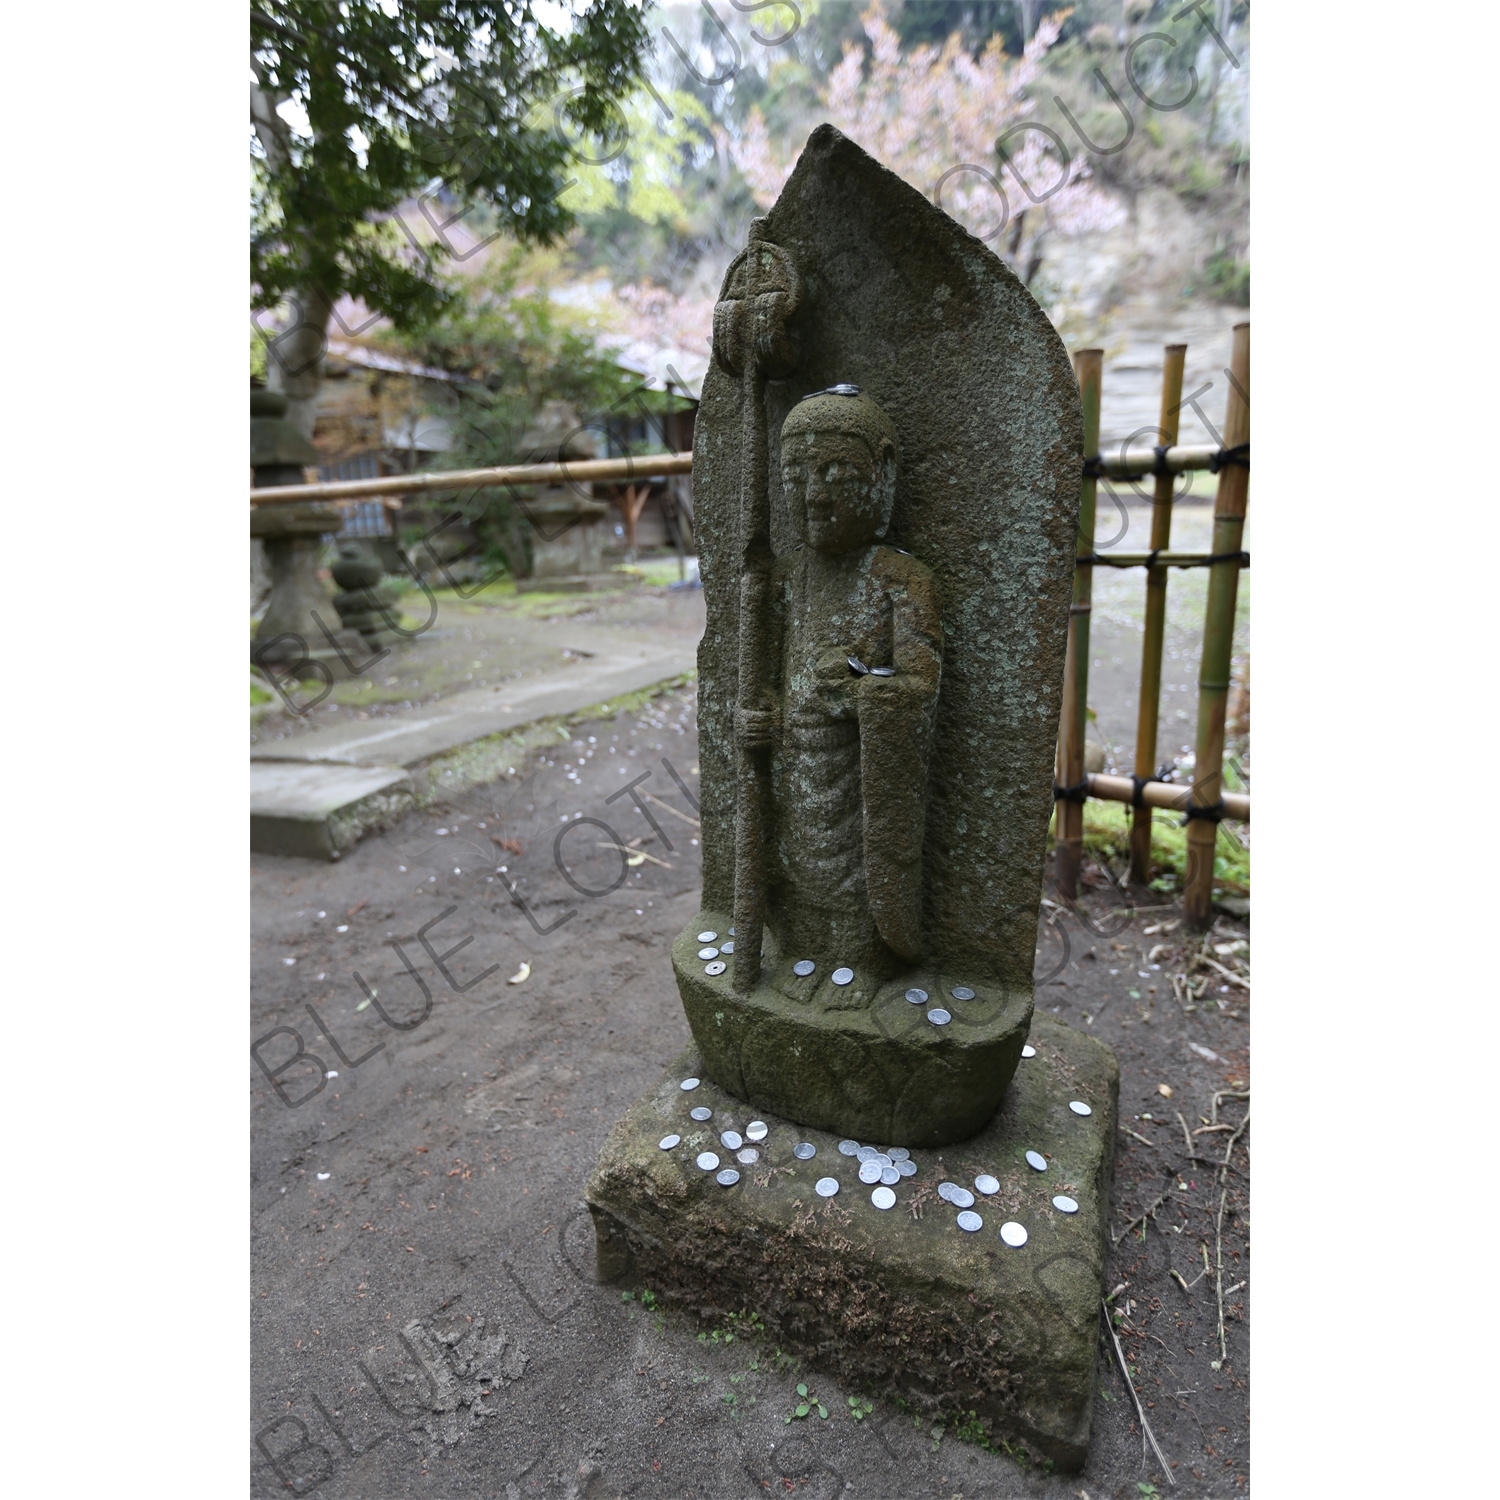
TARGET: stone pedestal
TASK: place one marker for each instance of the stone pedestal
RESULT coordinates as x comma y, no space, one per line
566,537
365,603
902,1301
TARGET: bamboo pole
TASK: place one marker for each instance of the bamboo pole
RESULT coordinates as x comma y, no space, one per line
1218,640
621,470
1088,365
1165,795
1137,463
1162,560
1148,714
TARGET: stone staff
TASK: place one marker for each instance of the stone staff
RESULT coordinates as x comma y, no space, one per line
753,341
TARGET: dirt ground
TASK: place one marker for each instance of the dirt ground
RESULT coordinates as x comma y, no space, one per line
425,1319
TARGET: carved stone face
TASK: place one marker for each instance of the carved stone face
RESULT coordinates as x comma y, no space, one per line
838,492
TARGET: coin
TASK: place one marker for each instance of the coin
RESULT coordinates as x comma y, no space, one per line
707,1161
707,937
1013,1234
757,1130
716,968
803,967
703,1112
733,1139
1079,1107
987,1184
826,1187
907,1168
668,1141
1036,1161
748,1157
882,671
728,1177
843,976
708,953
917,997
1028,1050
688,1084
866,1153
883,1198
1064,1205
882,1160
869,1171
848,1148
804,1150
897,1153
857,665
945,1191
970,1221
938,1016
961,992
961,1197
724,948
890,1176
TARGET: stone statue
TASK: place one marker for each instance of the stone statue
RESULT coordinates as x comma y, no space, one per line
885,470
856,645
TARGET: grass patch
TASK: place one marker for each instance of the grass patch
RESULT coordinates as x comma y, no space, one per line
1106,836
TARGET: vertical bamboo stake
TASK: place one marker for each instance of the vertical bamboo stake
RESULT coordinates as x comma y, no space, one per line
1088,365
1149,712
1218,640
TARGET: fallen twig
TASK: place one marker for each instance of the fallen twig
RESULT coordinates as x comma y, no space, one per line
1186,1137
1177,1277
637,854
1141,1218
685,818
358,907
1136,1133
1218,1364
1146,1431
1213,1108
1229,974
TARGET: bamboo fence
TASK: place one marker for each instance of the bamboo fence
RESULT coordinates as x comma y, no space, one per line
1203,803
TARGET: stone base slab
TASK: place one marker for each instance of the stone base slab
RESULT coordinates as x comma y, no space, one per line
320,811
897,1303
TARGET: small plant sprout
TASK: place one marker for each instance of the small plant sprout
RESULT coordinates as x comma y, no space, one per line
860,1407
808,1404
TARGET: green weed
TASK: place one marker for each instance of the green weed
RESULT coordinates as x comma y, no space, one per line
807,1405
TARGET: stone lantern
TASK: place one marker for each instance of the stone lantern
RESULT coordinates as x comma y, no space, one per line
567,542
293,538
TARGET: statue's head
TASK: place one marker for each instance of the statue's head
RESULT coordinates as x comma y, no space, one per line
838,469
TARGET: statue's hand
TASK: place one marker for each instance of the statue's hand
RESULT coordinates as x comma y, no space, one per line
754,727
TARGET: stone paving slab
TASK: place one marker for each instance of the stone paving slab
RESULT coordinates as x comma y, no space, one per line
450,722
319,811
902,1300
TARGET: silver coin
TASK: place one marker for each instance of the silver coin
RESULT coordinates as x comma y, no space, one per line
848,1148
961,1197
1064,1205
728,1177
897,1153
986,1184
1036,1161
1013,1234
733,1139
869,1171
757,1130
726,947
1079,1107
882,1160
843,976
1028,1050
716,968
857,665
890,1176
748,1157
707,1161
970,1222
826,1187
882,671
907,1168
708,937
883,1198
961,992
866,1153
703,1112
946,1191
731,932
938,1016
917,997
804,1150
708,953
668,1141
689,1084
803,967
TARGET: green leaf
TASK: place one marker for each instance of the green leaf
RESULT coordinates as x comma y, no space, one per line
801,1389
854,1401
822,1411
803,1409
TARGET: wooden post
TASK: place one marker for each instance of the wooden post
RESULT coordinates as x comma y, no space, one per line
1088,365
632,503
1218,641
1149,712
